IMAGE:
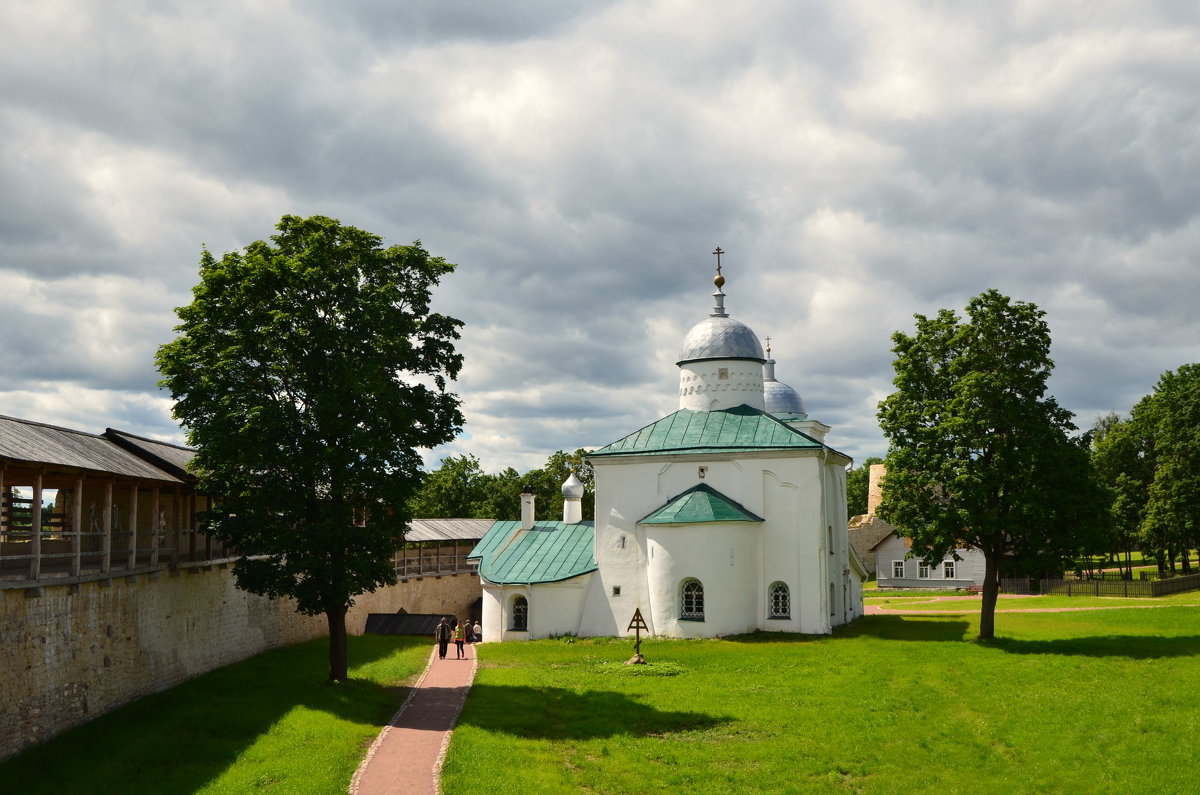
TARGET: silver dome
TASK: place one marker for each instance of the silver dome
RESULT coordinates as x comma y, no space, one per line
720,338
572,487
782,399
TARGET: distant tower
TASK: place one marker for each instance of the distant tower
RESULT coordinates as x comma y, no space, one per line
720,363
572,491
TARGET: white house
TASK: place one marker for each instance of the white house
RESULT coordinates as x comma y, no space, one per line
895,566
727,516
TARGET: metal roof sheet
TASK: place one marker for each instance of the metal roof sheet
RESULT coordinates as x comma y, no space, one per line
549,552
700,503
447,529
36,443
686,431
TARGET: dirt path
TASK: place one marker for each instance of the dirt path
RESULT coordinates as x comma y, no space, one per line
899,610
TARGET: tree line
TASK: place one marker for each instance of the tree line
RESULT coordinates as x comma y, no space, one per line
460,489
1149,463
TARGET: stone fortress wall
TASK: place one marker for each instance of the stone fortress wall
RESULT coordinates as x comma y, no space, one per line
71,652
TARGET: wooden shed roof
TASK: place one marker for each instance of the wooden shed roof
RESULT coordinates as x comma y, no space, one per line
26,442
447,529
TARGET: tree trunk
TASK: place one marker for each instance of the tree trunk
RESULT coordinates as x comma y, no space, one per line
337,644
991,592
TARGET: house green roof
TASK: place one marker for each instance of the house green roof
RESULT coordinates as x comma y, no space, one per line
729,430
549,552
700,503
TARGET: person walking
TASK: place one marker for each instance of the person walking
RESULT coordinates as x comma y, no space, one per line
460,637
442,635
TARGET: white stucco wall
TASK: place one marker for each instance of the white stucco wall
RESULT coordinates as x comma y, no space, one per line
802,499
553,608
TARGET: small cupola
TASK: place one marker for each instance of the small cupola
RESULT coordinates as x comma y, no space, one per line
572,492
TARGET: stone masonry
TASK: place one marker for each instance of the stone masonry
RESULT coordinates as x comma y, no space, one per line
76,651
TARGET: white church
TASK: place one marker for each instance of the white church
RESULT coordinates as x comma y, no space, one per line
725,517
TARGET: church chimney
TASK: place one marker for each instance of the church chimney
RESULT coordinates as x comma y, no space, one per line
527,498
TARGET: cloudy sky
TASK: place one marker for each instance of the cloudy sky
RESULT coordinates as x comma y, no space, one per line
859,161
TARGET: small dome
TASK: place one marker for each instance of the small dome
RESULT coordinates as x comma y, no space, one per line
720,338
572,487
782,399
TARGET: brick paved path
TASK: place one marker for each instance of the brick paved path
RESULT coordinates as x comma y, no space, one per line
407,756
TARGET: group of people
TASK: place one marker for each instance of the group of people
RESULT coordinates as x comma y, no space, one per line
460,632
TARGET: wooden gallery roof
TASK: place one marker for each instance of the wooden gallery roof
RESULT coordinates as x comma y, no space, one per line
34,445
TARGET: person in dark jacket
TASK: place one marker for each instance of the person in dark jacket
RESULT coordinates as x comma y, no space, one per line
442,635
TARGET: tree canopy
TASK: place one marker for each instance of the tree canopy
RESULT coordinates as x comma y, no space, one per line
1168,421
459,488
306,371
978,454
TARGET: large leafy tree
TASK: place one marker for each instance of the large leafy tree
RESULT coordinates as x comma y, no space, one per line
458,489
1123,456
306,370
979,455
1171,418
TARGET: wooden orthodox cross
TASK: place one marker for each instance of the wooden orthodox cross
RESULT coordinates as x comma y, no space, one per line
637,625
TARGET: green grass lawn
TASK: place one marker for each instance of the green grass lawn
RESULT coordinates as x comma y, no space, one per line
269,724
1097,701
1103,701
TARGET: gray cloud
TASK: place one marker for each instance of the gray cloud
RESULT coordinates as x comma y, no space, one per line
860,163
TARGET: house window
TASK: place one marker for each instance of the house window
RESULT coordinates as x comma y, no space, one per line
520,614
691,600
898,569
781,601
923,570
948,570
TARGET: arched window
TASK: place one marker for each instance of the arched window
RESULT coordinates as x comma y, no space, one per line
691,600
781,601
520,614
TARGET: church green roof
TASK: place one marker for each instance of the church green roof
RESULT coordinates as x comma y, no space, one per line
549,552
700,503
736,429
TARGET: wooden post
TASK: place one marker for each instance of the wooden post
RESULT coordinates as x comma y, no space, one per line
155,526
106,558
77,524
133,520
208,539
35,563
3,497
177,513
191,514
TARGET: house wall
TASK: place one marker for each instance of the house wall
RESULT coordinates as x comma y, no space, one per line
77,651
968,572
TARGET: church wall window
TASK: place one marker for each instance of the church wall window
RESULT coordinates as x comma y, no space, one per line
897,568
520,614
780,601
691,600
